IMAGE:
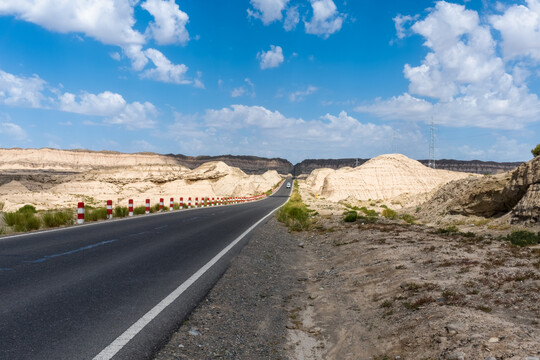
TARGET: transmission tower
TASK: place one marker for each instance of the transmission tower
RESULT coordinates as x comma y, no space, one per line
431,163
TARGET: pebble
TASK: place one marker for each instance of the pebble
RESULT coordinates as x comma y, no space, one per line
301,244
458,355
194,332
493,340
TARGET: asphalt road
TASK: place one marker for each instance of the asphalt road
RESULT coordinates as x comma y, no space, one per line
71,293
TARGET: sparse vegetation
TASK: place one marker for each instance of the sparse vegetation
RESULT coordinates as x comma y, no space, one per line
452,229
350,216
523,238
409,219
295,214
389,213
57,218
139,210
23,219
95,214
121,211
536,150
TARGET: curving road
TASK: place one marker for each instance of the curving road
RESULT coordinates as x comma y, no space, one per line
115,289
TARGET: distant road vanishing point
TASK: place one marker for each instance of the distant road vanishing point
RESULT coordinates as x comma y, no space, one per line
116,289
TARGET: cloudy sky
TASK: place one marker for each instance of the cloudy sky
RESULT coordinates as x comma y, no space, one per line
276,78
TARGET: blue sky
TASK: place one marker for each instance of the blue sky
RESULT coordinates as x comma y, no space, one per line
276,78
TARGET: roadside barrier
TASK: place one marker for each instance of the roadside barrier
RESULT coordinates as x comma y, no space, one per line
109,209
80,213
205,202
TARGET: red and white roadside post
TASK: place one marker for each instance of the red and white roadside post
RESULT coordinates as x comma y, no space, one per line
171,205
130,207
181,204
109,209
147,210
196,202
189,203
80,213
161,204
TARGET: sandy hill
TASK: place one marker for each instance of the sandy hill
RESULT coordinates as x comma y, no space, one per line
514,195
383,177
51,179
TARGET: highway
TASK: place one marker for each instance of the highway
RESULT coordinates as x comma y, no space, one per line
119,288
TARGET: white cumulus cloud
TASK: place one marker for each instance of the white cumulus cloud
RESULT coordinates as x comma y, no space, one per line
271,58
520,30
268,10
170,22
12,131
103,104
135,116
165,70
21,91
108,21
461,81
326,20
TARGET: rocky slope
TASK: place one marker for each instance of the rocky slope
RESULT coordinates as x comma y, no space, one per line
515,194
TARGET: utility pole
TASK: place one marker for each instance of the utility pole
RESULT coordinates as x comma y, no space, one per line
431,163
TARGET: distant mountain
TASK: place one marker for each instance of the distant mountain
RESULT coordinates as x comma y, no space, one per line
248,164
471,166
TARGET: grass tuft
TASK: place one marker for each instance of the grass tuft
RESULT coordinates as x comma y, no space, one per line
57,218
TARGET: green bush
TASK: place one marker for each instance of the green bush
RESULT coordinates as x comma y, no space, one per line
409,219
22,221
350,216
389,213
294,214
453,229
31,222
523,238
27,209
57,218
139,210
536,150
369,213
95,214
120,211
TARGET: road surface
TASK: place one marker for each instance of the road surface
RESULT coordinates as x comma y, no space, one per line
115,289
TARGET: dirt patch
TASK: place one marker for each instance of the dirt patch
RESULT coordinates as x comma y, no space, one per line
387,290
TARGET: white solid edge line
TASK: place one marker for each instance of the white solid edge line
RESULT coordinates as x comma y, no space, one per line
134,329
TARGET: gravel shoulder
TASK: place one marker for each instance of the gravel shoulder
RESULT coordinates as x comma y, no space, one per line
245,314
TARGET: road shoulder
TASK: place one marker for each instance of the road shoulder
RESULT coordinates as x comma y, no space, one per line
245,314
